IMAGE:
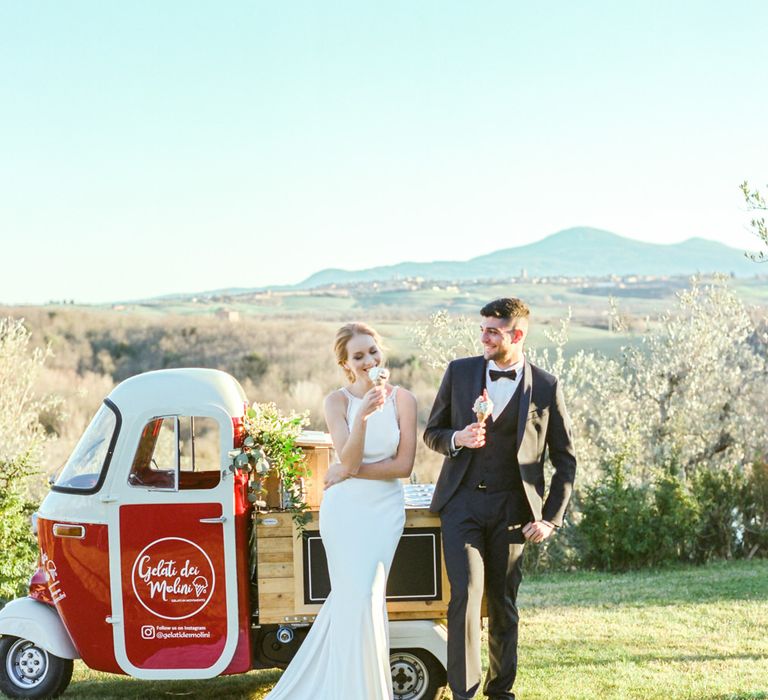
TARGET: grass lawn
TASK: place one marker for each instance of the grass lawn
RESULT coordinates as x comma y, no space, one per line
688,633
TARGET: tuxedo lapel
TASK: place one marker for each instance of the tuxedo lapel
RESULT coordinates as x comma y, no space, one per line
525,403
477,384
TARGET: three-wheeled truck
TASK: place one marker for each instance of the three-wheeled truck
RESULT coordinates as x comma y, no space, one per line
154,562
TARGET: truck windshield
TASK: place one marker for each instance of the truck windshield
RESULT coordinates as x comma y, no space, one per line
85,469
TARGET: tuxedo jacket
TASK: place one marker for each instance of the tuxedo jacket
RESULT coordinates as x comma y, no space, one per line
543,426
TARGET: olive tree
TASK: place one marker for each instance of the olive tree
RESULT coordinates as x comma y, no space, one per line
756,203
688,394
21,439
679,409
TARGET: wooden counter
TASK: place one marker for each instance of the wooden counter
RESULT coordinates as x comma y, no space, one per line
292,575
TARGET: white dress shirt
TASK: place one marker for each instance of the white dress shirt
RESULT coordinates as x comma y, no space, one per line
501,391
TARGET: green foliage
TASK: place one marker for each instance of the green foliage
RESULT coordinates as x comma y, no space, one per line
617,531
720,497
276,433
631,525
717,514
270,449
675,513
17,543
21,436
756,510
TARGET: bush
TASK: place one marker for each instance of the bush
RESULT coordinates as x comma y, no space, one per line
21,436
755,510
616,528
627,526
17,543
676,517
252,366
719,494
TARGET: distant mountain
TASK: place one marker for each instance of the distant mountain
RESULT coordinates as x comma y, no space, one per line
575,252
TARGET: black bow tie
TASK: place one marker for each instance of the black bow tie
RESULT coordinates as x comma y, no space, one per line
506,374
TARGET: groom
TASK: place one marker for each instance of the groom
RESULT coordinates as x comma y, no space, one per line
490,493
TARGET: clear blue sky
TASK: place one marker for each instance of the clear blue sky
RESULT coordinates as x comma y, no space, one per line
166,145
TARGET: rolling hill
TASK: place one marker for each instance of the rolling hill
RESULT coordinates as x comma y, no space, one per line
574,252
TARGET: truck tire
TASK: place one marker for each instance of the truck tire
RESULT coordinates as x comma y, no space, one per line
416,675
29,671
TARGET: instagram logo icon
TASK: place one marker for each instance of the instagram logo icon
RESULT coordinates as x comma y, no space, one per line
148,632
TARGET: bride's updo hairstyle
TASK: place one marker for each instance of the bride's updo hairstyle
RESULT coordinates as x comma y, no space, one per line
343,336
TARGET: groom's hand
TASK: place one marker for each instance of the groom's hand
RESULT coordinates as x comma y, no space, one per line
473,436
538,531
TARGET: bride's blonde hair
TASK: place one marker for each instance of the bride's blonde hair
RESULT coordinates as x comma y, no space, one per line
344,335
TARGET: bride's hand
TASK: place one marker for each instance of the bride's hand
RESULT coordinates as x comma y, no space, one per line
373,400
336,474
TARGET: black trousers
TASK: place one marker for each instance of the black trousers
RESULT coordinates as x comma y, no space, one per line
482,554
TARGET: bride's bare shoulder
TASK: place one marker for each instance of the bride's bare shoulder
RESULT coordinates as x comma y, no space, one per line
405,397
336,399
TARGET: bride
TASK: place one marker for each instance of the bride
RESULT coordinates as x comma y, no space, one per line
373,426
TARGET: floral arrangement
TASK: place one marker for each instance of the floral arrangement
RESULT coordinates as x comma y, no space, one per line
270,448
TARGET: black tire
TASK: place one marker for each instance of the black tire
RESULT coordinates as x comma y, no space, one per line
416,675
29,671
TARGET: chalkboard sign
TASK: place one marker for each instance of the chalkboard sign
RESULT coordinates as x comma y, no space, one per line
416,568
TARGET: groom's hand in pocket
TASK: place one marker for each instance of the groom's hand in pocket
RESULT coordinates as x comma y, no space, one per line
538,531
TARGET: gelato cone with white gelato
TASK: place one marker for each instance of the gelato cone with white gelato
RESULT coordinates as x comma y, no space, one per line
483,407
378,375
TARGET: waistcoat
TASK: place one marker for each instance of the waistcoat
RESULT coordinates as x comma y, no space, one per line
495,464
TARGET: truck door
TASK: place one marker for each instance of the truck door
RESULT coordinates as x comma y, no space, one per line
172,543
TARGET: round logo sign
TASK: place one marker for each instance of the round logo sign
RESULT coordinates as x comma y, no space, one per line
173,578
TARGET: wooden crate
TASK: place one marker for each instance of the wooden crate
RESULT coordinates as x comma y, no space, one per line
280,560
317,448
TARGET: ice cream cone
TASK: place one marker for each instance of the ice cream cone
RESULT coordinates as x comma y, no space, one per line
483,407
378,375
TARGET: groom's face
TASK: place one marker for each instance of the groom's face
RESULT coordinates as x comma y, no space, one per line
501,339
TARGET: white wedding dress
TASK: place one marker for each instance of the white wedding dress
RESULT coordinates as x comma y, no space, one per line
346,653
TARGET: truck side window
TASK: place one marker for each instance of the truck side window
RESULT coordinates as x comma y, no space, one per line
177,453
155,462
199,453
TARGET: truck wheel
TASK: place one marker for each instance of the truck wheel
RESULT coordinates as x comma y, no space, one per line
29,671
416,675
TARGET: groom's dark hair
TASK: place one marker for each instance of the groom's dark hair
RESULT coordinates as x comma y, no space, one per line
506,308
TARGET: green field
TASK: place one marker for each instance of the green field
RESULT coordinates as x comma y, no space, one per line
396,310
548,300
682,634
